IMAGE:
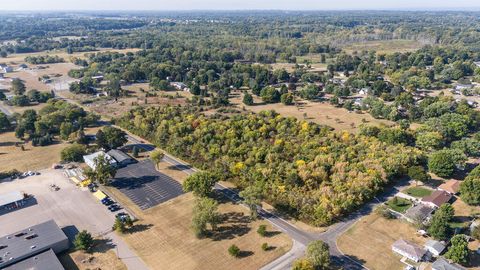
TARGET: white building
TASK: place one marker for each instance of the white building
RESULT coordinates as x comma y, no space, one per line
90,159
408,250
434,247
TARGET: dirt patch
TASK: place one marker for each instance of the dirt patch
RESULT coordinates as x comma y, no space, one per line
371,238
102,257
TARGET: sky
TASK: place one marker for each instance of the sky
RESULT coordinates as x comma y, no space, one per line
25,5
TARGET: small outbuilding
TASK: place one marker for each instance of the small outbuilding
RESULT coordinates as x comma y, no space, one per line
435,247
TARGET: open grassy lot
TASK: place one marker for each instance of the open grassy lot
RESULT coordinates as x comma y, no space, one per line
33,158
399,204
384,46
20,57
164,240
319,112
101,257
418,192
370,240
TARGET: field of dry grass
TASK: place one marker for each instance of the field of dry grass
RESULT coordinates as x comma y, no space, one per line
102,257
370,241
33,158
164,239
384,46
19,58
319,112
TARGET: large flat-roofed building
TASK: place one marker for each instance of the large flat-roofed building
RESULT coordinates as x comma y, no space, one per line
32,241
90,159
11,200
46,260
121,157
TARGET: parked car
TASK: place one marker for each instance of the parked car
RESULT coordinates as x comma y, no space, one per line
107,201
114,207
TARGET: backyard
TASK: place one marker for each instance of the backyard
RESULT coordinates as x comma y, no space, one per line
399,204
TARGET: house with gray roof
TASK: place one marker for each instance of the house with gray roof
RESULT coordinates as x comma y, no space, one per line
442,264
408,250
434,247
419,212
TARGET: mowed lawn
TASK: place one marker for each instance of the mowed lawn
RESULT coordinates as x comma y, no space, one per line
399,204
371,238
418,192
33,158
164,239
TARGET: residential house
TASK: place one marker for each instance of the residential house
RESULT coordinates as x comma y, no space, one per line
442,264
5,68
419,212
437,198
451,186
434,247
364,91
408,250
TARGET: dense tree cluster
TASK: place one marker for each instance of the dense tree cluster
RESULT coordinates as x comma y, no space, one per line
300,167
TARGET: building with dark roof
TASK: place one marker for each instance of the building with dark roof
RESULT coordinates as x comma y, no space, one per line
32,241
437,198
419,212
46,260
442,264
121,157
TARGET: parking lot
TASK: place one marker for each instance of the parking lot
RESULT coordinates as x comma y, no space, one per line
145,186
70,207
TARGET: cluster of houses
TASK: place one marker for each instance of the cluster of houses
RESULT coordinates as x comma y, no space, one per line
421,212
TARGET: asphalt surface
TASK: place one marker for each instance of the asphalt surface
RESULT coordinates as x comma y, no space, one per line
146,186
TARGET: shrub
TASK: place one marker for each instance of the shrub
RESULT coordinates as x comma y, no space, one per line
262,230
234,251
265,247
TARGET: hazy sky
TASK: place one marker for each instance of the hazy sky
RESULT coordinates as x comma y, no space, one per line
233,4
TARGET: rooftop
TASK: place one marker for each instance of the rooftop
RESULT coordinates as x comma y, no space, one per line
438,197
409,248
27,242
46,260
436,245
11,197
92,157
451,186
442,264
118,155
418,212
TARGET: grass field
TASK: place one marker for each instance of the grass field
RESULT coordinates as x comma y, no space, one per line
384,46
399,204
319,112
102,257
370,241
164,240
418,192
20,57
33,158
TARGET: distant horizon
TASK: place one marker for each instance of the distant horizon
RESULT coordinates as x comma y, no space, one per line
237,5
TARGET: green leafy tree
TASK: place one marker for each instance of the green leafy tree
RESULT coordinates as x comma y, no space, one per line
157,156
4,122
247,99
270,95
470,187
458,251
439,227
205,212
287,99
429,141
110,138
303,264
17,87
418,173
83,241
119,226
200,183
444,162
262,230
265,246
103,172
252,197
73,153
318,253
